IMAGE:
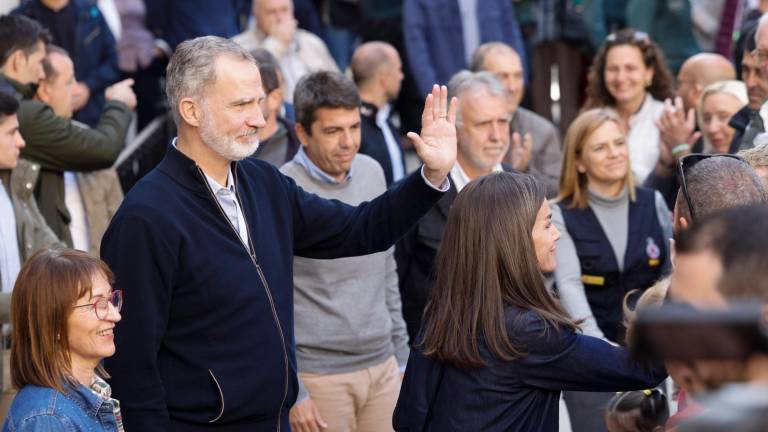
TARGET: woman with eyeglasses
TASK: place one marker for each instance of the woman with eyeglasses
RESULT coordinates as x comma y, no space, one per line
717,104
615,238
63,316
496,347
629,74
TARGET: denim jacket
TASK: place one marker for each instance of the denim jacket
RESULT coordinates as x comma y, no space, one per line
38,409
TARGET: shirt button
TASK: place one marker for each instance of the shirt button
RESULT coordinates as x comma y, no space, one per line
28,185
35,167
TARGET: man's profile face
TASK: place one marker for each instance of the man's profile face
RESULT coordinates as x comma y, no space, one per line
483,132
31,71
56,92
506,65
231,116
11,141
393,74
334,140
757,86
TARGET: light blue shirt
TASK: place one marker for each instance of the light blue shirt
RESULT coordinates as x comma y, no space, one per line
315,172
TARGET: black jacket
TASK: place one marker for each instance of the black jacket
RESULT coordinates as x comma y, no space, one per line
206,338
373,143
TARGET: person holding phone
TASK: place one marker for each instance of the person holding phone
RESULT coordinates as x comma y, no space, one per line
497,347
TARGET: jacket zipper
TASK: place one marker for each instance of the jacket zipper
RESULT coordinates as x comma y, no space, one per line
252,254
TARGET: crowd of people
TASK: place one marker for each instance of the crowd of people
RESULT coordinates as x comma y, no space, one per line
303,259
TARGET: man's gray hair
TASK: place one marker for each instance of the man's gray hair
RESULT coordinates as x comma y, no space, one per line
719,183
466,81
477,62
192,68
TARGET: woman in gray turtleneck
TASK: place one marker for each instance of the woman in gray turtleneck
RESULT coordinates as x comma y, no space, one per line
615,238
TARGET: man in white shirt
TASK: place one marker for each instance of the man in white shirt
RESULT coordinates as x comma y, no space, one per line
482,130
299,52
378,73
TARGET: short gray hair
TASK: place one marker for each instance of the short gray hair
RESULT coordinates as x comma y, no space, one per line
192,67
719,183
466,81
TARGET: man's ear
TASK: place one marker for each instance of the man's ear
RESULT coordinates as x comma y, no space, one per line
16,61
302,134
42,93
683,223
275,100
190,111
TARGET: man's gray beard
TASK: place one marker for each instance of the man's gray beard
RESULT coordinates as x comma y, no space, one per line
227,148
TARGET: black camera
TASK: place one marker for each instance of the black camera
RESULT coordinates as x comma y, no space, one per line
677,331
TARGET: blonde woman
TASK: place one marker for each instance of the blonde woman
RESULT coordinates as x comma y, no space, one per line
614,238
718,103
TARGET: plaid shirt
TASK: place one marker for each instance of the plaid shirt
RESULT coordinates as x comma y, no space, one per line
104,391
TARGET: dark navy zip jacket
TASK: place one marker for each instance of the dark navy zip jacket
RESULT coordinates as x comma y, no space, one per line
519,395
206,337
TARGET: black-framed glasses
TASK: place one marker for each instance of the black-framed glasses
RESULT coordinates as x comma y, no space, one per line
101,305
684,164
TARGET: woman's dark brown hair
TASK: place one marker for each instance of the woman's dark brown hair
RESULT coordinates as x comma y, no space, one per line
486,262
661,86
48,285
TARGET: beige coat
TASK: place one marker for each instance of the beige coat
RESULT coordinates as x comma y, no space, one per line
102,195
306,54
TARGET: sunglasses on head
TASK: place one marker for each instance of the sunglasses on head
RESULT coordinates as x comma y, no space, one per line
684,164
637,36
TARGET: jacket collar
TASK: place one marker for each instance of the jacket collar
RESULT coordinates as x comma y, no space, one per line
368,109
185,171
21,91
85,398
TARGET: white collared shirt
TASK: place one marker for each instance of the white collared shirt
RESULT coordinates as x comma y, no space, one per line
393,147
10,260
227,198
461,179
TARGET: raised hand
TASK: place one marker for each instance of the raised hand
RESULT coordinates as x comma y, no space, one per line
436,145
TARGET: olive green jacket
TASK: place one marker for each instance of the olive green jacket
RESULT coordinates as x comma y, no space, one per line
32,231
59,145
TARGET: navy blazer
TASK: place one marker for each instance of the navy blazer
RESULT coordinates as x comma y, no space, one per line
519,395
434,38
206,338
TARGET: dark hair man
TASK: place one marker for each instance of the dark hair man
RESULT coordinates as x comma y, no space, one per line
349,322
52,141
204,244
277,139
722,259
22,228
